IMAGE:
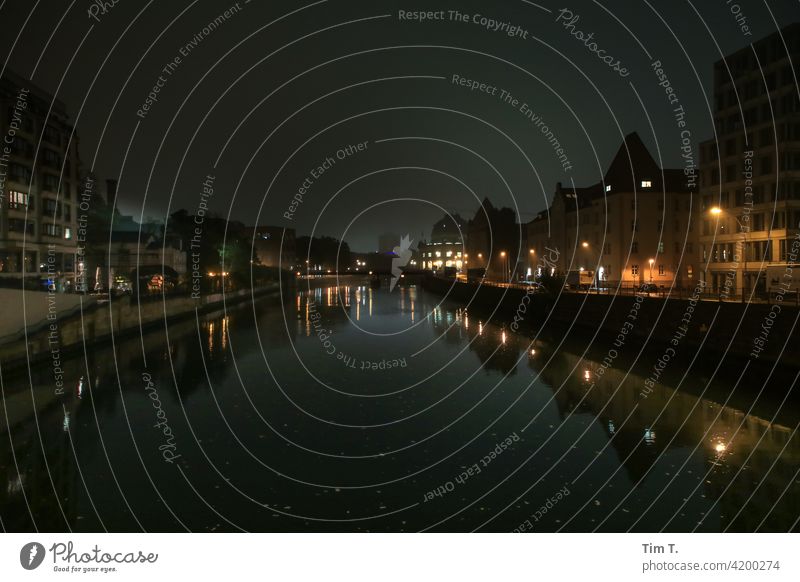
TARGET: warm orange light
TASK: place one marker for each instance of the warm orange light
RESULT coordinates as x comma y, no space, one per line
532,251
716,210
502,253
652,261
585,245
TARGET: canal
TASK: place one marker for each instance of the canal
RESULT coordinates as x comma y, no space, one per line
356,409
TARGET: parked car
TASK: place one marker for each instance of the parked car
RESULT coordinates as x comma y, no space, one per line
648,288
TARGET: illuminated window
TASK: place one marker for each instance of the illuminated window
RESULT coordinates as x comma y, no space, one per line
438,254
449,254
634,270
67,232
17,200
661,269
647,184
608,188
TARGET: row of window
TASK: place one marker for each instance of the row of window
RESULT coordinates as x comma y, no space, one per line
51,133
50,182
20,226
735,146
750,251
678,248
52,208
13,260
767,113
438,254
756,222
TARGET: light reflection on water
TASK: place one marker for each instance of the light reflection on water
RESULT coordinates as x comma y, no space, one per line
671,458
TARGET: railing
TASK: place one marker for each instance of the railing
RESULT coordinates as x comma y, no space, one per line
790,298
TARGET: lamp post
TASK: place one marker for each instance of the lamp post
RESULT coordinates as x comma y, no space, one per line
503,265
651,261
531,264
717,211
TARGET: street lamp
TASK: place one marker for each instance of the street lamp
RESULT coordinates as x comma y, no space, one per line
716,211
503,264
585,244
651,261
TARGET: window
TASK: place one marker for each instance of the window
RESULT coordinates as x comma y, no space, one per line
52,207
52,230
607,249
634,226
689,272
20,173
661,247
18,200
20,226
608,188
51,158
50,183
635,248
634,270
67,233
660,225
51,134
647,184
661,269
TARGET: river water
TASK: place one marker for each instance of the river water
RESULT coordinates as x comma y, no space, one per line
353,409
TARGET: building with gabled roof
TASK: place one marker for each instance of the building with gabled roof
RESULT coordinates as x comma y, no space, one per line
632,227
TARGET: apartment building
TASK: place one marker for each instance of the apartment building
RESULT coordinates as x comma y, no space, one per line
749,214
39,186
632,227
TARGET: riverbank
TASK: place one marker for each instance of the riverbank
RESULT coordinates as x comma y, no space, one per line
71,321
757,331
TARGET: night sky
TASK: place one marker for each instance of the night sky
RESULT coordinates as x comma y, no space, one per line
279,87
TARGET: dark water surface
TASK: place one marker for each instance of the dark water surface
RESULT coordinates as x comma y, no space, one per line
363,410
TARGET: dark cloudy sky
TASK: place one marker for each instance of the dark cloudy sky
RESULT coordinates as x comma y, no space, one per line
280,86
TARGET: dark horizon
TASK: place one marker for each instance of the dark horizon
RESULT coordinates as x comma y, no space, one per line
408,200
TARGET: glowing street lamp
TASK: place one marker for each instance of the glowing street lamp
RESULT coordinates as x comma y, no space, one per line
585,244
716,211
651,261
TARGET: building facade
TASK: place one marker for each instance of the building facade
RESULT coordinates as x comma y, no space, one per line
749,213
494,241
39,186
634,226
447,245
